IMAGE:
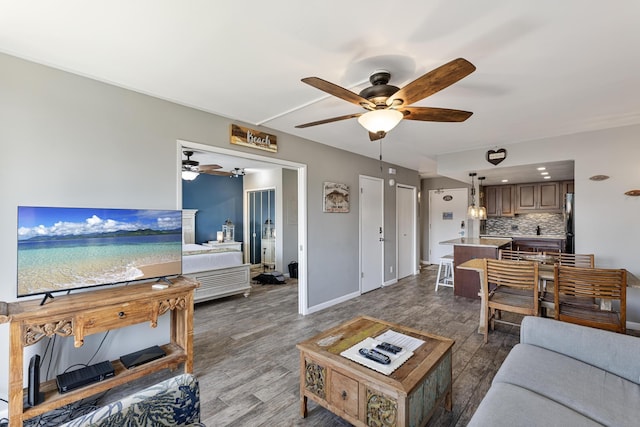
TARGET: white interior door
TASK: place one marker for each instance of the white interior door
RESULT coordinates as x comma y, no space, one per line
371,233
406,214
447,212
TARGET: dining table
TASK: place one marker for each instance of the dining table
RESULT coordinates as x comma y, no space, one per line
545,273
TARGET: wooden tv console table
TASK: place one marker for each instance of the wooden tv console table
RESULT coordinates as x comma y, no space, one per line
87,313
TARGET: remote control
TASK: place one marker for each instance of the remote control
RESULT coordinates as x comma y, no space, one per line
376,356
389,347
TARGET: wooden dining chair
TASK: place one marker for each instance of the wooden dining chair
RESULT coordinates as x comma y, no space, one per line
547,298
512,255
595,297
573,260
509,286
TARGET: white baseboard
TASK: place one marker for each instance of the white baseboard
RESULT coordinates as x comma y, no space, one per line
333,302
634,326
390,282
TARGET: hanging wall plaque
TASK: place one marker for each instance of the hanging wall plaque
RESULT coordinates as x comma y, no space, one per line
496,156
253,138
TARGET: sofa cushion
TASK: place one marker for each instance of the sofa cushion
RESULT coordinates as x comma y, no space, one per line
607,350
512,406
593,392
172,402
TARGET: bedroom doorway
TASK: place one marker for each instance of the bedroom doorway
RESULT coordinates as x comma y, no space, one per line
299,198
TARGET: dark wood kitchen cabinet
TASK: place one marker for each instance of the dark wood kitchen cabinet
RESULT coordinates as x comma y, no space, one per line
538,245
499,200
538,197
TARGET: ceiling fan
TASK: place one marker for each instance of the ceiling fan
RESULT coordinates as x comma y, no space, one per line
386,105
191,168
236,173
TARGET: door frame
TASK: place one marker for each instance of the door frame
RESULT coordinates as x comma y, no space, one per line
414,228
303,304
360,210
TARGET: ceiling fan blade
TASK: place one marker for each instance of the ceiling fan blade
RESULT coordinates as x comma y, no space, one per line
333,119
338,91
208,168
215,172
376,136
432,82
429,114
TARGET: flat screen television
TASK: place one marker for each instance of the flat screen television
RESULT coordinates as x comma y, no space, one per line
61,249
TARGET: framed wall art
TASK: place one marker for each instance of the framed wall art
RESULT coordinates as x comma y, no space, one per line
335,197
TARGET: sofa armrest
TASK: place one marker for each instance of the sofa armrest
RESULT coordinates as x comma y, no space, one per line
613,352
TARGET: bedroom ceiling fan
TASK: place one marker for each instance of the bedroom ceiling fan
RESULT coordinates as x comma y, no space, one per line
192,168
387,105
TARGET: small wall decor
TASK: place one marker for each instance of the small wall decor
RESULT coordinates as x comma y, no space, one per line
253,138
496,156
598,177
335,197
634,193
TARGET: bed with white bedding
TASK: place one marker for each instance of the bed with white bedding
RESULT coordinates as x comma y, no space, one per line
220,272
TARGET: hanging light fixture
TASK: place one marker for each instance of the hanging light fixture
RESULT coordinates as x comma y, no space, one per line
482,210
473,211
380,120
189,175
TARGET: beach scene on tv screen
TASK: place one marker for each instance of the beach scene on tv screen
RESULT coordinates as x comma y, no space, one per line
69,248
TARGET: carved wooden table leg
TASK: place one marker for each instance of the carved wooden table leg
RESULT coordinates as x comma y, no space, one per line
303,406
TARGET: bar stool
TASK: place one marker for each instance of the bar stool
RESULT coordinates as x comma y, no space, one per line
445,272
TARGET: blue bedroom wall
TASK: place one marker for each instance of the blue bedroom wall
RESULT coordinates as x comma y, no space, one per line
216,198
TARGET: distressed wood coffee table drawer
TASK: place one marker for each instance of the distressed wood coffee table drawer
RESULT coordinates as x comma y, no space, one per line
343,393
364,397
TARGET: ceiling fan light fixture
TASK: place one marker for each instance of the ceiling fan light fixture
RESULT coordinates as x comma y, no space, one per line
380,120
189,175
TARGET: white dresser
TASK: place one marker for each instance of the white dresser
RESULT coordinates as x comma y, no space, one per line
236,246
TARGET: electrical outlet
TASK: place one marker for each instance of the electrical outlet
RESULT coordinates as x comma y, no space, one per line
391,269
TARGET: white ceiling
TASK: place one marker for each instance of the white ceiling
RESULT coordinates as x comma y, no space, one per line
544,68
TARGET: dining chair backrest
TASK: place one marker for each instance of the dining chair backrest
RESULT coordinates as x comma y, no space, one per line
522,275
511,255
577,287
509,286
573,260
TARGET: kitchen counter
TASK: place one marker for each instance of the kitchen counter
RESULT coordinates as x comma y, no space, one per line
467,282
487,242
525,236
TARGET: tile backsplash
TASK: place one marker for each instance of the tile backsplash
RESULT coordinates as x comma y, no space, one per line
525,224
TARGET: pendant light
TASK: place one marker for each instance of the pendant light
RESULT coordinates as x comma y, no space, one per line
482,210
473,211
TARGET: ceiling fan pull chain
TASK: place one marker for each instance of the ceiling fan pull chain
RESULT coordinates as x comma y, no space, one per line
380,157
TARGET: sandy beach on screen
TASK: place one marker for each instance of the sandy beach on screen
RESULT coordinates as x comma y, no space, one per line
159,270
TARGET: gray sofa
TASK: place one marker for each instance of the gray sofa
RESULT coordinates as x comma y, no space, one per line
562,374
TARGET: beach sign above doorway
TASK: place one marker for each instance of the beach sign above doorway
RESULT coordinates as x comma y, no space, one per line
253,138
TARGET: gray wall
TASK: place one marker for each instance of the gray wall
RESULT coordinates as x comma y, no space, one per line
72,141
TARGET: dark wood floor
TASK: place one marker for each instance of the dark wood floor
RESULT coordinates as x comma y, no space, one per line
247,364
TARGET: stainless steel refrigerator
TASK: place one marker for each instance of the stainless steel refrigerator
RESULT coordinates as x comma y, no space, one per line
569,223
